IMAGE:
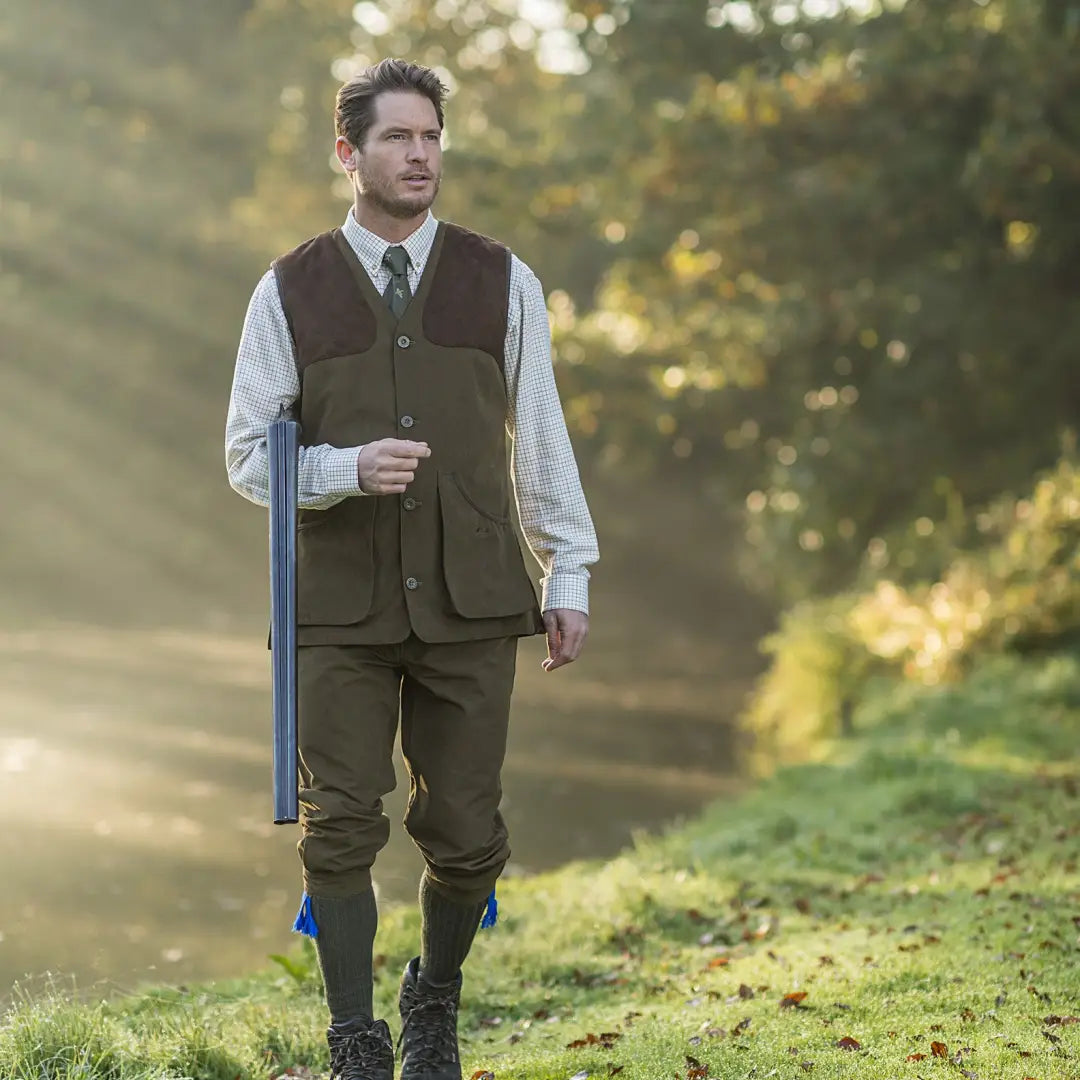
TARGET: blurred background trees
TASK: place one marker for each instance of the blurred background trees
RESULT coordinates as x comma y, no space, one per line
813,271
813,266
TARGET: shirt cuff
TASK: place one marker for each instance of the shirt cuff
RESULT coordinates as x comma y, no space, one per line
339,472
565,590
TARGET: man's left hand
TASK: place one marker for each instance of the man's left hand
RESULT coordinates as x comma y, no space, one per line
566,633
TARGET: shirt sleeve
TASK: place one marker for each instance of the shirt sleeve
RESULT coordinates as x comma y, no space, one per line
264,381
551,505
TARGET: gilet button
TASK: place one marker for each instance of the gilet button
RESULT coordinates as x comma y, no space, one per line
407,421
412,583
409,502
404,341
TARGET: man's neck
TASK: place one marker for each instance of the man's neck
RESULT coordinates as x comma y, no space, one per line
389,228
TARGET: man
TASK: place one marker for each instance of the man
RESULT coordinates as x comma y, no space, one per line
409,348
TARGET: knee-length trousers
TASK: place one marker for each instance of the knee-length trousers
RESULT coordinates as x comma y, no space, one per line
453,699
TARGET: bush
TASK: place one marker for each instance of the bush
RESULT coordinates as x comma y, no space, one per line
1020,590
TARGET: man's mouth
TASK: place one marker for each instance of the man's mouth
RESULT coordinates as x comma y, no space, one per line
417,178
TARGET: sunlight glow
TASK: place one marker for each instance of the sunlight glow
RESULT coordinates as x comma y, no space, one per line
544,14
371,18
560,54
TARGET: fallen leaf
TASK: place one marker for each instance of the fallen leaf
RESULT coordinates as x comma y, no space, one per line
605,1040
792,1000
745,992
719,961
806,1066
826,961
848,1043
802,905
915,1057
483,1074
695,1070
741,1026
939,1049
614,1070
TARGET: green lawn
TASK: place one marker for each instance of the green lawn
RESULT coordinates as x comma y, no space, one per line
916,894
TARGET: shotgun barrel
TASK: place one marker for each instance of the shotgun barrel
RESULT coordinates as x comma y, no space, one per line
282,440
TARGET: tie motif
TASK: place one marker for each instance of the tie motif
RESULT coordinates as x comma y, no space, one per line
397,294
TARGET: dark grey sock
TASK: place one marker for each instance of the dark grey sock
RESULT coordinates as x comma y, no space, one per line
447,934
345,940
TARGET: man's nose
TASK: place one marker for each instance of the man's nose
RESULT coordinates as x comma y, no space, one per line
418,150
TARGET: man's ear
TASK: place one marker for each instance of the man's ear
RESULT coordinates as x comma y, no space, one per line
346,154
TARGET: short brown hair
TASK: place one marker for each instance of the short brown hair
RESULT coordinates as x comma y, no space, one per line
355,108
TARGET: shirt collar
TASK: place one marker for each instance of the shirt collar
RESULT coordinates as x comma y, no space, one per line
370,247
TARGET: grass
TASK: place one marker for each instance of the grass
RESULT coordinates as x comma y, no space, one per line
919,887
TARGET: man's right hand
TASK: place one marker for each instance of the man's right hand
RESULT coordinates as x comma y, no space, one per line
385,467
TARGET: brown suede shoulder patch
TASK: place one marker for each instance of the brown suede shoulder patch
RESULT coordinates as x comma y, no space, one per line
468,302
327,313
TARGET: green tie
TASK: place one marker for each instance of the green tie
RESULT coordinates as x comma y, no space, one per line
397,293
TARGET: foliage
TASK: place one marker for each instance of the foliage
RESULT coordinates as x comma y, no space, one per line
303,969
818,259
823,265
817,665
848,271
917,889
1020,590
127,130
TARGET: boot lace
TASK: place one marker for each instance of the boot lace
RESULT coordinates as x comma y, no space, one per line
432,1025
357,1055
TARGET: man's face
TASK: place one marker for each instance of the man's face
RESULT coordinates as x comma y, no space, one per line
399,167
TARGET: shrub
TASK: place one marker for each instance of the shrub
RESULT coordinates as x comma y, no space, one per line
1019,590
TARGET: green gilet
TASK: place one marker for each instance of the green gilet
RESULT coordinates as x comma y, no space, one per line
442,559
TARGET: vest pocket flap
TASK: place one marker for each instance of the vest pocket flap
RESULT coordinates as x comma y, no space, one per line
335,564
314,519
482,564
454,479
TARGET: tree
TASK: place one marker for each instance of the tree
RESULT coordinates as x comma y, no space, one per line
849,268
813,261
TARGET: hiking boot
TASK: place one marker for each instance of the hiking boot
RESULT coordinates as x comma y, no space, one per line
429,1044
361,1050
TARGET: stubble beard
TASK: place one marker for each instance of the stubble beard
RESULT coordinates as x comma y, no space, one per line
381,195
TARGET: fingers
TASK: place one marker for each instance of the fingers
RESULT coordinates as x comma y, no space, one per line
569,650
395,465
403,448
566,633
